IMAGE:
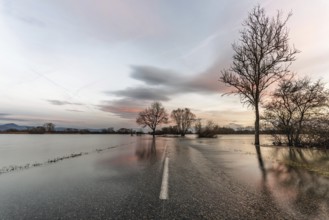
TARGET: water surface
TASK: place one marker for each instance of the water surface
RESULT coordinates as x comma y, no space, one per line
21,149
295,180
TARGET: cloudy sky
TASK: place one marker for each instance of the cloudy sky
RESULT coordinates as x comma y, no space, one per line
97,63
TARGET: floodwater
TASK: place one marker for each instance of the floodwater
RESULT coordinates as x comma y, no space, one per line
97,185
114,170
297,180
22,149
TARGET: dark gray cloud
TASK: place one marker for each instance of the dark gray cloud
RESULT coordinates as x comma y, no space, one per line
154,76
143,93
31,121
61,102
12,119
73,110
175,83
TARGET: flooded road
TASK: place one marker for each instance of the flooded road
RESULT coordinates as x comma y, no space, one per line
295,181
223,178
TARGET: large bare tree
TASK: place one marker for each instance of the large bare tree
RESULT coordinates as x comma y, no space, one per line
184,119
153,116
262,57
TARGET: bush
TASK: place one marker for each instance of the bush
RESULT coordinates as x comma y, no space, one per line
209,131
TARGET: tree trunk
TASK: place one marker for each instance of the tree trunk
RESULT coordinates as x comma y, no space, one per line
298,132
289,137
257,124
153,133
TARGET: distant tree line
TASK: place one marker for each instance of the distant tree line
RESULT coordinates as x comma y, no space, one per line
49,128
168,130
185,122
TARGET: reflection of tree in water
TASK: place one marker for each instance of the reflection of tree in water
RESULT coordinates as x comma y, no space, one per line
146,151
297,178
264,186
261,162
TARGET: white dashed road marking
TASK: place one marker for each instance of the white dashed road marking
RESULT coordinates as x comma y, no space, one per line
165,176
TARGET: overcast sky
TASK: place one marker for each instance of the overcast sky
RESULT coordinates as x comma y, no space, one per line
97,63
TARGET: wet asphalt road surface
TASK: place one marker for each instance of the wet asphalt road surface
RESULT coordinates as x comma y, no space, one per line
125,183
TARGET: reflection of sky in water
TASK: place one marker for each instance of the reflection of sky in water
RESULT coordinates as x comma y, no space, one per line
23,149
289,176
296,180
297,175
142,152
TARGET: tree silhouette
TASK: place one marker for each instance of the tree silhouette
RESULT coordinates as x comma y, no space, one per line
210,130
153,116
184,119
49,127
295,106
262,57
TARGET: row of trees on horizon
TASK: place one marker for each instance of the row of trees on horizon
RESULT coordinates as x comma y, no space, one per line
50,128
185,122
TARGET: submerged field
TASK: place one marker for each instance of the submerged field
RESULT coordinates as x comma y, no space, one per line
119,176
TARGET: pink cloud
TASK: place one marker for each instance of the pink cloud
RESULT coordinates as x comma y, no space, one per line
125,108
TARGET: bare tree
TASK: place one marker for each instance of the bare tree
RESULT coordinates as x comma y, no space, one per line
49,127
184,119
295,106
262,57
153,116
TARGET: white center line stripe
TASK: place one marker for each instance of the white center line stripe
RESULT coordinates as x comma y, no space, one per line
164,153
164,185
